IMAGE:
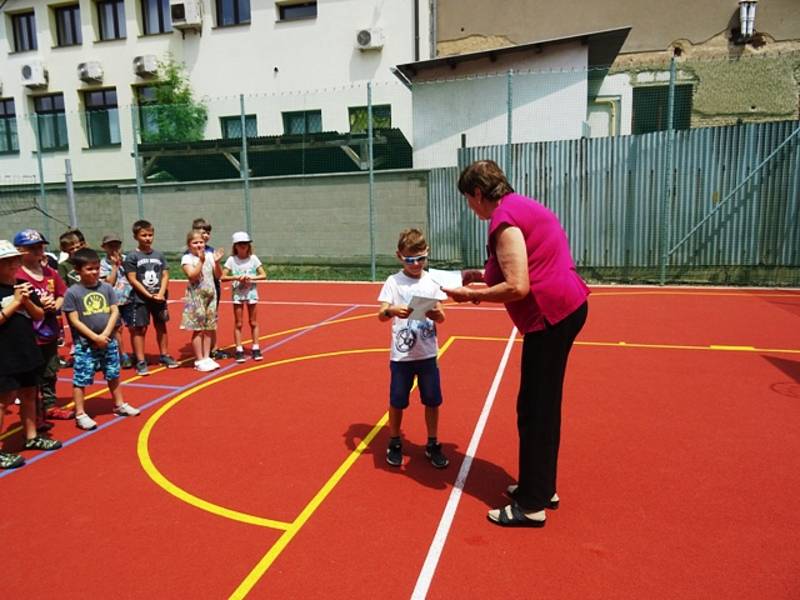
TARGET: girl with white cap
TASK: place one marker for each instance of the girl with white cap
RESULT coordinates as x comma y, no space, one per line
244,268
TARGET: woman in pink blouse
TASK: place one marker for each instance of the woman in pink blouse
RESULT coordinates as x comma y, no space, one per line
531,271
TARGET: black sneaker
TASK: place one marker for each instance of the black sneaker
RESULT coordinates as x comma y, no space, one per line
394,454
219,354
40,443
257,354
434,454
10,461
239,356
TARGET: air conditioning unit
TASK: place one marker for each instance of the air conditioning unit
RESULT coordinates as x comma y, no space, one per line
145,65
369,39
186,14
34,74
90,72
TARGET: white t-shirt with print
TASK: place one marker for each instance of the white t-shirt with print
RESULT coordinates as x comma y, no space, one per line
243,293
411,339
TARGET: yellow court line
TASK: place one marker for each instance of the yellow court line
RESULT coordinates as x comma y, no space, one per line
718,347
696,293
102,391
264,564
142,446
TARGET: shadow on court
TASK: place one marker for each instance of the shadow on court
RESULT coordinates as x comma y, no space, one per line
485,481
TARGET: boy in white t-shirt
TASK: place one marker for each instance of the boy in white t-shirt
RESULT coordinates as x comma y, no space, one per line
414,345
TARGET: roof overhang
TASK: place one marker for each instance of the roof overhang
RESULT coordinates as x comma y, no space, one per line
604,46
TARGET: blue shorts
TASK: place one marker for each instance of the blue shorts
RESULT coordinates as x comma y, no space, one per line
125,315
403,372
89,359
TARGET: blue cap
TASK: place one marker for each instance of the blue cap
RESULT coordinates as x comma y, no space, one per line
29,237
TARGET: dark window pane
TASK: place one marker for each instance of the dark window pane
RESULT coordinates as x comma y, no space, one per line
225,14
306,10
244,11
650,108
24,26
232,127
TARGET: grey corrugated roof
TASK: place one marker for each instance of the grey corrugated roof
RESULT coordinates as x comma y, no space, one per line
603,49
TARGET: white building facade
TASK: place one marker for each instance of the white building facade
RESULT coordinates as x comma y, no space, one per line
271,52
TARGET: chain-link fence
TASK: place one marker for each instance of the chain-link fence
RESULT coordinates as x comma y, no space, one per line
687,170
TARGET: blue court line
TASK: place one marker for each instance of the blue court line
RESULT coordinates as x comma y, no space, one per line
154,386
174,392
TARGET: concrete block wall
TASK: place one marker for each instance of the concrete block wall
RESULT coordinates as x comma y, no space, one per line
320,219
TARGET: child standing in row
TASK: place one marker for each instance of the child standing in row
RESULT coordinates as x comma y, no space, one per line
50,290
204,227
244,268
148,273
414,347
20,358
69,242
200,302
112,272
91,308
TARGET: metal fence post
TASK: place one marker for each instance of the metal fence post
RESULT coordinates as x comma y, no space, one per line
137,165
509,123
244,169
42,193
71,211
670,160
371,184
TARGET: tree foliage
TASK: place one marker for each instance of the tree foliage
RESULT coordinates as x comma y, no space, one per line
174,115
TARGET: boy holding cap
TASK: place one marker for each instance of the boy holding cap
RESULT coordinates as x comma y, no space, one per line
112,272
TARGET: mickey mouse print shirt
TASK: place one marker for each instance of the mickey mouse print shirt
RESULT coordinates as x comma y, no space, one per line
148,267
411,339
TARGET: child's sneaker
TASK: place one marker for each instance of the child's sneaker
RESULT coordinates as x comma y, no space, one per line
394,454
205,365
85,422
168,361
60,414
141,368
239,356
434,454
218,354
126,410
40,443
126,362
10,461
66,363
257,354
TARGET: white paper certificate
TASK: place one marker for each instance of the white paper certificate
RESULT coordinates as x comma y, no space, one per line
446,279
419,306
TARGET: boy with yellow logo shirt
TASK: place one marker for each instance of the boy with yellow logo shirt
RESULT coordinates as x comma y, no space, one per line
91,308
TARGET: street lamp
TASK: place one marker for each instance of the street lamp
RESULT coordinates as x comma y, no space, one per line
747,18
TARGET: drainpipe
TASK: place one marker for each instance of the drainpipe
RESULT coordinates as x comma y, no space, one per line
432,16
416,30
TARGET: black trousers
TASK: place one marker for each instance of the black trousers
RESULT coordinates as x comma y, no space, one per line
544,364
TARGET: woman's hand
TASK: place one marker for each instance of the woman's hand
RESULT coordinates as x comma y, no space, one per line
461,294
472,276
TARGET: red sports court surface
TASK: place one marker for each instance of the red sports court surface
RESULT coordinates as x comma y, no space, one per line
679,472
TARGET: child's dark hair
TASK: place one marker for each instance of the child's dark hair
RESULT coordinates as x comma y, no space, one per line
70,236
412,240
83,257
140,225
201,223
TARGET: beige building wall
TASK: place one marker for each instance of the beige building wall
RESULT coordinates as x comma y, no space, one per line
470,25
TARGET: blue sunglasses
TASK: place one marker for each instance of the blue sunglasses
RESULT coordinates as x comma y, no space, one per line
412,260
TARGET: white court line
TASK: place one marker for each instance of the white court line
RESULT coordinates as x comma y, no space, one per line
437,545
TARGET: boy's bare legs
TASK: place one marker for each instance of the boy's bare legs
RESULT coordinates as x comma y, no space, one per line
161,338
432,421
395,420
77,398
116,392
27,411
137,338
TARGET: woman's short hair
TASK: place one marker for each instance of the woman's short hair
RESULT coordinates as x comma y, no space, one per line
488,177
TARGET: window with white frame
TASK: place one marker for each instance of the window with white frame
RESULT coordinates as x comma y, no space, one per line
51,122
102,118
